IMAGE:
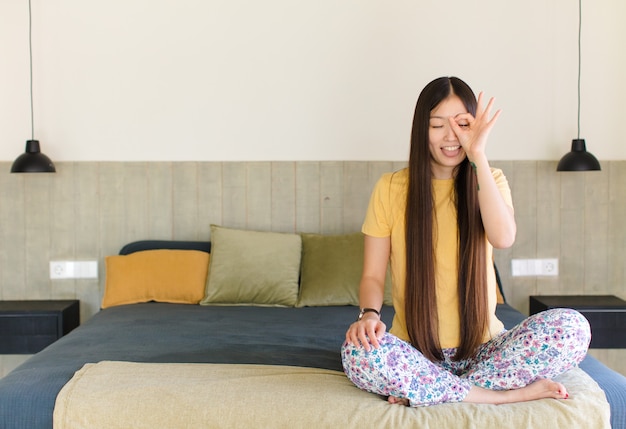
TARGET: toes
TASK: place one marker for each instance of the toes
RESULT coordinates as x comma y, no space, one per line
559,391
562,391
396,400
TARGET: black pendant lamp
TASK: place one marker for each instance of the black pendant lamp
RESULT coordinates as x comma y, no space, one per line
32,160
578,159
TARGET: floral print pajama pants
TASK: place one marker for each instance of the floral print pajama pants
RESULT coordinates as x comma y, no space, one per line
542,346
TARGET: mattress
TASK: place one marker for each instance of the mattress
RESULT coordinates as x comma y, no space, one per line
308,337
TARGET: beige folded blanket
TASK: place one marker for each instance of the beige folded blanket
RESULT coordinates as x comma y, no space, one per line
151,395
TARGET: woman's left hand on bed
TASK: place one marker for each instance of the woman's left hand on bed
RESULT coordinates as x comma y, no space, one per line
366,332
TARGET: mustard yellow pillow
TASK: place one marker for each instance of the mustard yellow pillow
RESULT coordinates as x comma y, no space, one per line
176,276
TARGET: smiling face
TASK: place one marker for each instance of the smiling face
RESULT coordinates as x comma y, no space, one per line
445,150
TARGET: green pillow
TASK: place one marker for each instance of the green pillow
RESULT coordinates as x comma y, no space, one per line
253,268
331,270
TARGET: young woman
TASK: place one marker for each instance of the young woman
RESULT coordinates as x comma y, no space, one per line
436,223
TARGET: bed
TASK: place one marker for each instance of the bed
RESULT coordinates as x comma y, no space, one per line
163,364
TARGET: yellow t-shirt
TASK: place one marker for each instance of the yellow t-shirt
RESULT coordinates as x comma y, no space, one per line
386,218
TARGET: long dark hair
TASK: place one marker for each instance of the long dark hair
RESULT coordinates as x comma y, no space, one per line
420,296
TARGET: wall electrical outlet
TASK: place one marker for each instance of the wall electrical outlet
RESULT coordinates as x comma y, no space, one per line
73,269
535,267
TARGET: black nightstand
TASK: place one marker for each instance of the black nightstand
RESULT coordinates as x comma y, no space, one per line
606,315
27,327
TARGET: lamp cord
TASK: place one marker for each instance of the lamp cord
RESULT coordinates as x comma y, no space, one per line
30,46
580,18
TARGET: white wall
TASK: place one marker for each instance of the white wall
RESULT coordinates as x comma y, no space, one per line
129,80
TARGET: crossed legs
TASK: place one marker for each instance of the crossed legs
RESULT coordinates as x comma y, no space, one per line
516,366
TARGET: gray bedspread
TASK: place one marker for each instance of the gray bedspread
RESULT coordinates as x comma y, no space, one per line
165,333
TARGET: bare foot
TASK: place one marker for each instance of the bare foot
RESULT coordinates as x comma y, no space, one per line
539,389
398,401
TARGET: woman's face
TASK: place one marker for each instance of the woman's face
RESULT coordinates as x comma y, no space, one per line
445,150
